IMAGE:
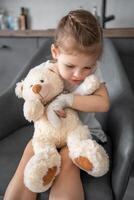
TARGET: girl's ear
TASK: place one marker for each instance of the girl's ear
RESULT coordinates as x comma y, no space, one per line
55,51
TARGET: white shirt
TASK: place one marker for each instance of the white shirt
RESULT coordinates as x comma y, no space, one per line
88,118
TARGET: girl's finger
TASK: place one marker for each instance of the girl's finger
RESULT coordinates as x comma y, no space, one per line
61,113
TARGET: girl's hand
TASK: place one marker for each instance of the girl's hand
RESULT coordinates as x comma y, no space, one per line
61,113
61,102
55,108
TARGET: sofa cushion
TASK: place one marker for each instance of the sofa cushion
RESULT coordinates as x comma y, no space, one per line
11,149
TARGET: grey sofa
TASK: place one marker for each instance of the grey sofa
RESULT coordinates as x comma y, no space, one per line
118,124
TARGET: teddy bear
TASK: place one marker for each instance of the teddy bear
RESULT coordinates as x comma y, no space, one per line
39,89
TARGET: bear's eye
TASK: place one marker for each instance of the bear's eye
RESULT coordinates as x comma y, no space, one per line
42,81
31,85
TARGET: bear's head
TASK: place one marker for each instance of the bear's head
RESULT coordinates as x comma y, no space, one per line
42,82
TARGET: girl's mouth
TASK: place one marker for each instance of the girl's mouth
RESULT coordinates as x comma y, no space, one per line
76,81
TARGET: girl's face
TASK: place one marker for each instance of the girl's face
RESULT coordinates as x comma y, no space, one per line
75,67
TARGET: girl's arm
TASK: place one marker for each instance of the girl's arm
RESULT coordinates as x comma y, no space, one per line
97,102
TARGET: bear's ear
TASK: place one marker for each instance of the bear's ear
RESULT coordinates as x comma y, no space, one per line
19,89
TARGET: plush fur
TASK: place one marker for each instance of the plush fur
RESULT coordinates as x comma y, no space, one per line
40,87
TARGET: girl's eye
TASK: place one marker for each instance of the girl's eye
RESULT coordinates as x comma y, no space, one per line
70,66
88,68
31,85
42,81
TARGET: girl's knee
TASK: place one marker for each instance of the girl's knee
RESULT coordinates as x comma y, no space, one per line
66,161
27,154
29,148
65,155
62,198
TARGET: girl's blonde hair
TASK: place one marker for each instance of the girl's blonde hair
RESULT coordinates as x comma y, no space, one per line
82,28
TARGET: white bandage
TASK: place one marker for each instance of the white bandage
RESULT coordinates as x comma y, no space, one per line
89,85
61,102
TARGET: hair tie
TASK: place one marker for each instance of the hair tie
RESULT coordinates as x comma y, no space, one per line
70,16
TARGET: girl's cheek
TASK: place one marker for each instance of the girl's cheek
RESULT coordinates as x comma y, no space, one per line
91,71
87,73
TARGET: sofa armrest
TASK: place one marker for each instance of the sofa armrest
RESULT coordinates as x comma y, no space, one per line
11,113
121,129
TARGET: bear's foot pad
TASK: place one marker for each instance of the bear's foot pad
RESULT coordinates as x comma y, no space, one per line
49,176
83,163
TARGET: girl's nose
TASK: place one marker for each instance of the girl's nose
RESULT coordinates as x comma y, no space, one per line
77,74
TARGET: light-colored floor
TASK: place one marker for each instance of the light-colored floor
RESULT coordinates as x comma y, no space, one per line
129,195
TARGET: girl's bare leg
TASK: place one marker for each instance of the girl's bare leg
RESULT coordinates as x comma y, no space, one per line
16,189
67,185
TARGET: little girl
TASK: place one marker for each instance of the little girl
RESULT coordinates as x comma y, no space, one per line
77,50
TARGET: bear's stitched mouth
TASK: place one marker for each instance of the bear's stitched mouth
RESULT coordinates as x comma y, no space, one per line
43,101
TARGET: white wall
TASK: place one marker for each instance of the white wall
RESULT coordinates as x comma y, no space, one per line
45,13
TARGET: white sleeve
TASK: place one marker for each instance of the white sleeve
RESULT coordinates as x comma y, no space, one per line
98,72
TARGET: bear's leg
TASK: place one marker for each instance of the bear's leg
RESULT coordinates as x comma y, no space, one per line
74,142
42,169
86,153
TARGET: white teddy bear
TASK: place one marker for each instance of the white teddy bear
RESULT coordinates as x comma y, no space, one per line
41,86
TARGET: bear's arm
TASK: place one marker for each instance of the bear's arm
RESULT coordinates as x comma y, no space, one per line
88,86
